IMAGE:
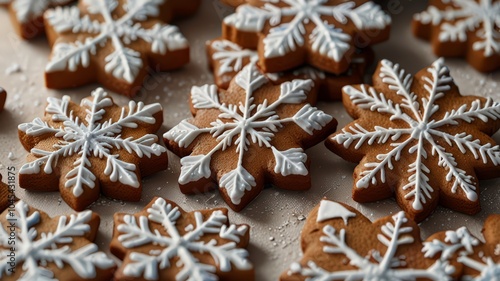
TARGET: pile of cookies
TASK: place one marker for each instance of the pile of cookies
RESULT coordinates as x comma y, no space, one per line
414,137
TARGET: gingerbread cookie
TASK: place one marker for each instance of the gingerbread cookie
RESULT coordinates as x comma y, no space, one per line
339,243
252,134
162,242
3,98
27,15
47,248
92,148
419,139
116,43
463,28
472,259
227,58
323,34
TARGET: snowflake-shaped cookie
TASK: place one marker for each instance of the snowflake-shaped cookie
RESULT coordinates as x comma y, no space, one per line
163,242
51,249
248,136
322,33
27,15
467,28
227,59
93,148
419,139
341,244
114,42
474,260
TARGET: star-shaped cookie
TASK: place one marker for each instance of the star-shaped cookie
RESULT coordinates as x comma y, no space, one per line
163,242
463,28
339,243
418,139
45,248
226,59
114,42
251,135
472,259
97,147
320,33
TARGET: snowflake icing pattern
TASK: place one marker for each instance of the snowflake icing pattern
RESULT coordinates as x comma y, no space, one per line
326,39
248,123
124,62
375,266
231,56
464,16
137,232
35,254
419,113
27,10
462,242
92,137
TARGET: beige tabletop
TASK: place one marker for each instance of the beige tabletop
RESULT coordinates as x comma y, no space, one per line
276,216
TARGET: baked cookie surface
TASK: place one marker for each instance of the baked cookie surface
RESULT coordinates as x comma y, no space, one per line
117,43
163,242
93,148
463,28
59,248
320,33
252,134
418,139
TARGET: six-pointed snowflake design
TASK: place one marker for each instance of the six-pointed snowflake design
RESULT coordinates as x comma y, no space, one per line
227,59
35,250
466,20
97,23
469,251
333,26
394,234
99,134
244,127
152,241
424,122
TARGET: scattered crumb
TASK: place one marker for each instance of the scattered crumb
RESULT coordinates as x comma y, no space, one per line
13,68
11,156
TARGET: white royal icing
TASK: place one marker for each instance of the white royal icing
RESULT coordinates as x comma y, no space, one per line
93,138
463,243
245,124
35,251
425,127
231,56
463,16
27,10
326,39
135,234
331,210
373,266
124,62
